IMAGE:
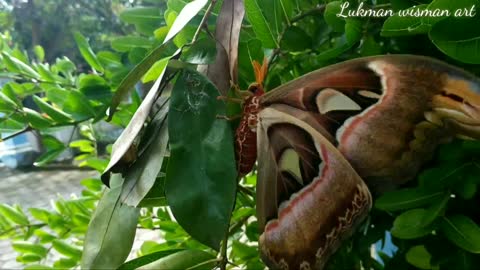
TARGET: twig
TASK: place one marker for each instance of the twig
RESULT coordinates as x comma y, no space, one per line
25,129
319,9
202,264
223,252
204,19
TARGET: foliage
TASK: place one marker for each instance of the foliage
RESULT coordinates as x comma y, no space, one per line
186,192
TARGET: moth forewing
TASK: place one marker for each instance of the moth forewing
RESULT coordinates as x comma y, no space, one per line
308,227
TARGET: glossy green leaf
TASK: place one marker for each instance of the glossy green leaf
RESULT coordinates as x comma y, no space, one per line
29,258
352,35
419,257
127,43
65,263
445,176
409,225
185,259
13,214
436,209
442,6
36,120
111,231
461,45
201,174
260,24
397,25
27,247
137,15
330,16
463,232
141,176
95,87
77,105
6,104
156,70
87,52
406,199
15,65
67,249
109,59
188,12
56,114
202,52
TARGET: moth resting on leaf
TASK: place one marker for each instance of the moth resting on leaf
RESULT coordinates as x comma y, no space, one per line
329,138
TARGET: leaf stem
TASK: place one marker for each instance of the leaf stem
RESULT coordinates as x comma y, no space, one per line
25,129
204,19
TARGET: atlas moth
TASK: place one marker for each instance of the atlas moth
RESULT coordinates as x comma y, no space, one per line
327,140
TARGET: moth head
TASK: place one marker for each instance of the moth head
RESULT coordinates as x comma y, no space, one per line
256,88
458,104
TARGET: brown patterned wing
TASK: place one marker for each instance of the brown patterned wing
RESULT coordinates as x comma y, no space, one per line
386,114
309,199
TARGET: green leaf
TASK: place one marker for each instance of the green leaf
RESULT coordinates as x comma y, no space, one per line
353,34
127,43
461,45
134,75
6,104
67,249
419,257
29,258
77,105
39,214
188,12
261,27
56,114
111,231
185,259
141,176
201,174
36,120
65,263
330,16
295,39
406,199
146,259
48,157
109,60
445,176
27,247
156,70
87,52
138,15
397,25
39,53
13,215
409,225
202,52
463,232
436,209
446,5
15,65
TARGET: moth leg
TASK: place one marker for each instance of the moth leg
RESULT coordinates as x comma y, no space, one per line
231,99
229,118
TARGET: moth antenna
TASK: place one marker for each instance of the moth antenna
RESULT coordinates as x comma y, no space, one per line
260,70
